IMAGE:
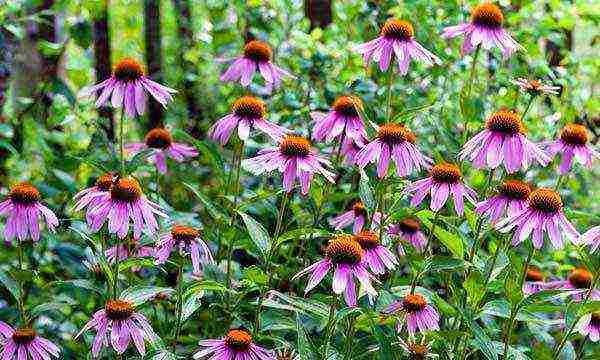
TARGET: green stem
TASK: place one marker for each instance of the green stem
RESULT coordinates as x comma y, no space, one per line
559,182
432,231
179,310
531,98
116,269
330,327
121,141
389,95
349,338
480,219
21,300
466,93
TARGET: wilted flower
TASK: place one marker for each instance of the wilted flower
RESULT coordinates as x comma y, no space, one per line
257,57
23,209
236,345
294,158
247,113
345,256
357,215
187,240
92,196
573,142
535,87
409,229
534,281
23,343
416,311
503,141
417,350
128,86
342,121
377,256
396,37
161,141
543,213
485,29
591,238
589,325
444,179
580,280
397,142
511,199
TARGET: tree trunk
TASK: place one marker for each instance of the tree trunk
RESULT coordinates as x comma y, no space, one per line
153,56
102,66
318,12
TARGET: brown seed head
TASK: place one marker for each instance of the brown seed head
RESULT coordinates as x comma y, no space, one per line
545,200
238,340
487,15
445,173
24,336
581,279
158,138
506,122
258,51
343,249
118,309
393,134
574,134
249,107
347,105
413,303
126,189
397,30
367,239
515,189
24,193
128,69
293,145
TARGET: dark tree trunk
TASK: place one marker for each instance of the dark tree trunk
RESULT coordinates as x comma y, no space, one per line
153,56
318,12
102,66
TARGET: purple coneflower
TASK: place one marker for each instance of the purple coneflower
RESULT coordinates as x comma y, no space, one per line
534,281
444,179
357,215
257,57
23,209
589,325
349,150
396,37
535,87
511,199
187,240
118,324
397,142
409,229
236,345
591,238
247,113
573,142
375,255
417,350
503,141
130,249
161,141
294,158
25,343
92,196
128,86
345,256
580,280
418,314
485,29
342,121
125,201
543,213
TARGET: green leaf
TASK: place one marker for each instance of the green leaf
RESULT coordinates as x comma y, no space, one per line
365,191
306,233
137,160
79,283
140,294
191,304
208,285
483,342
474,287
206,148
257,233
11,285
208,205
304,351
282,301
445,263
451,240
47,307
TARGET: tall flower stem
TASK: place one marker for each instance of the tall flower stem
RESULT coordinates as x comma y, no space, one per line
389,94
21,300
116,269
531,98
481,218
330,327
466,92
432,231
122,141
179,309
559,182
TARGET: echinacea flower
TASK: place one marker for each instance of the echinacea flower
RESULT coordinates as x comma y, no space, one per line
535,87
257,57
24,210
125,201
25,343
543,213
91,197
534,281
345,257
444,179
349,150
128,86
161,142
589,325
418,314
294,158
485,29
118,324
503,141
127,250
397,38
357,216
591,238
409,229
397,142
247,113
375,255
236,345
417,350
510,199
573,143
580,281
187,240
342,121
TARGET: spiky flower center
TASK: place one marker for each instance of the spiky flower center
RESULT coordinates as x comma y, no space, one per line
258,51
359,209
533,274
185,234
595,320
581,279
413,303
23,336
418,351
128,69
367,239
397,30
24,193
515,189
574,134
533,87
343,249
409,225
506,122
238,340
545,200
118,309
295,146
126,189
487,15
249,107
104,182
393,134
158,138
347,105
445,173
